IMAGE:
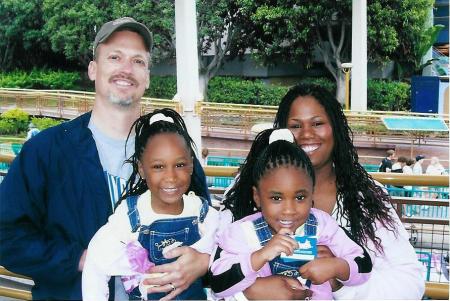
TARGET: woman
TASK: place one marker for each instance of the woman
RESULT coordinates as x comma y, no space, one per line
346,191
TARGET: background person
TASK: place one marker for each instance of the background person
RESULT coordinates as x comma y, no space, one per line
32,131
435,167
417,168
398,166
64,184
407,169
386,163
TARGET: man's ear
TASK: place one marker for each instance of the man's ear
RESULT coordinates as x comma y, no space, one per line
256,197
141,170
92,70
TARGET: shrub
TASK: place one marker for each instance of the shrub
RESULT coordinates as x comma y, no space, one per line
388,95
17,118
162,87
43,123
237,90
7,127
40,79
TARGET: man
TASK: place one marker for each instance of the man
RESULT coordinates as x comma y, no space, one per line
417,168
397,167
32,131
63,185
386,163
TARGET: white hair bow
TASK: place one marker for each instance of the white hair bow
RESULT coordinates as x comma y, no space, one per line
281,134
160,117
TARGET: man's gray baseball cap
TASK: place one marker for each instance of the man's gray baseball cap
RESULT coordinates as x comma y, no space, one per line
110,27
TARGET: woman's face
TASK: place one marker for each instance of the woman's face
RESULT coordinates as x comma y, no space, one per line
312,129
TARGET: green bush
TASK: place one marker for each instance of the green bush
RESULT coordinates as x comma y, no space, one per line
17,118
44,123
382,95
162,87
40,79
237,90
385,95
7,127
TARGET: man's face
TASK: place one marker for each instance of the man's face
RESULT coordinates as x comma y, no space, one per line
120,70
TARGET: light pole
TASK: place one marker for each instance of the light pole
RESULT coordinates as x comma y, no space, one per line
347,68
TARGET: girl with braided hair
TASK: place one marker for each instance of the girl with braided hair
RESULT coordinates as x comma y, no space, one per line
348,193
163,208
278,180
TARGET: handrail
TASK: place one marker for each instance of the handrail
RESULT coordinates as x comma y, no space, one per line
382,177
4,158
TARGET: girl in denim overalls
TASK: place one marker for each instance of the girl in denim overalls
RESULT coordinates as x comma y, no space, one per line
156,216
281,179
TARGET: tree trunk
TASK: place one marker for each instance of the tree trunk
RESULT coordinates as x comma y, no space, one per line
340,87
203,83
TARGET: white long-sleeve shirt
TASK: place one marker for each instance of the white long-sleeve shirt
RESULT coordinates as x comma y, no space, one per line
396,274
107,256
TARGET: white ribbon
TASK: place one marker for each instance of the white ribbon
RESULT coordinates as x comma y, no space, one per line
281,134
160,117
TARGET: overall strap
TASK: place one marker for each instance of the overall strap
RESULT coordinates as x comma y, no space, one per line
203,210
133,214
262,230
311,225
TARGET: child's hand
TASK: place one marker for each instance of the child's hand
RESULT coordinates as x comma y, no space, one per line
279,243
321,270
325,252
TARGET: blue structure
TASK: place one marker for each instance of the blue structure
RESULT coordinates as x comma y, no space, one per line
441,15
425,94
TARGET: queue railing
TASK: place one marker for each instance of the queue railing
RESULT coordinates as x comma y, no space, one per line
216,117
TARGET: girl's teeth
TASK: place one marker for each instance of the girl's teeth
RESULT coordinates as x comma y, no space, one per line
286,222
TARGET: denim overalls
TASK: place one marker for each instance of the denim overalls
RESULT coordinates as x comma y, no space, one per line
277,266
162,233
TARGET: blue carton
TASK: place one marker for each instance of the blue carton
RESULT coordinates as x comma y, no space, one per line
307,249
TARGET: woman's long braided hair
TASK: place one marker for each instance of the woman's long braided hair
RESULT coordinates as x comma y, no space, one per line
362,200
144,131
261,158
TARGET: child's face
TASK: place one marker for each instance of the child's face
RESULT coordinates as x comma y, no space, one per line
284,195
166,165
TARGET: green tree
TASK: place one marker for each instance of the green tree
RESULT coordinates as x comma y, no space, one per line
23,44
220,26
292,30
72,25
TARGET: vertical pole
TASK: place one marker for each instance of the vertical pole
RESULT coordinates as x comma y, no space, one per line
359,55
347,90
188,88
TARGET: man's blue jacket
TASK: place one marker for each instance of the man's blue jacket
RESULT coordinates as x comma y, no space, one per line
52,201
